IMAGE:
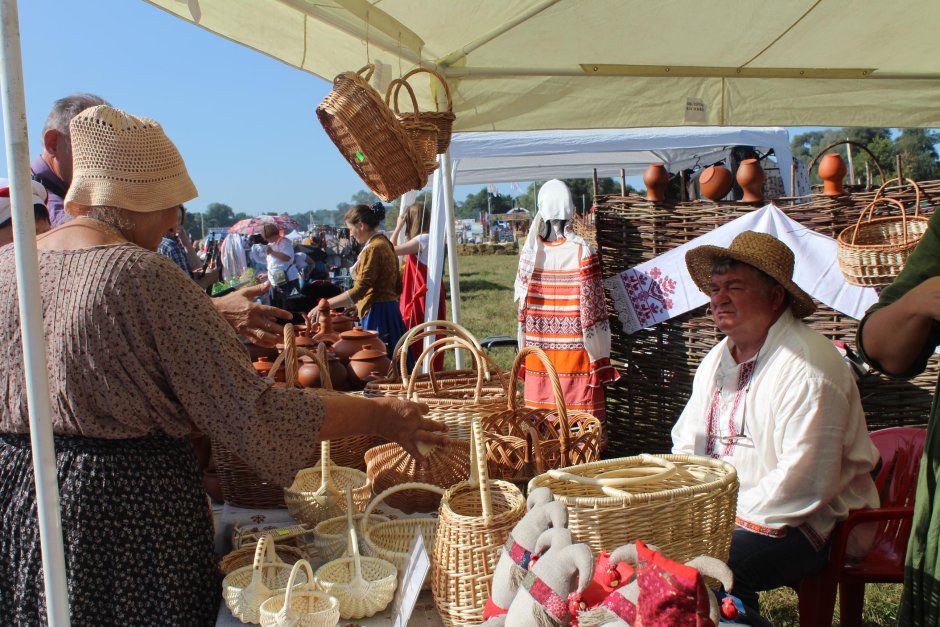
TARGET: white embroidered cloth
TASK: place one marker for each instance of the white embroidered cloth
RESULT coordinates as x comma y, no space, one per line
662,288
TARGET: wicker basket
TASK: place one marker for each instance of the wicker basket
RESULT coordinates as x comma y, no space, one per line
873,252
685,505
300,605
392,540
331,537
476,517
422,134
244,556
443,120
241,485
317,493
369,136
522,442
389,465
363,585
246,588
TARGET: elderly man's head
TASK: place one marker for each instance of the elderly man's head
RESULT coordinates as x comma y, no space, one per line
56,140
40,213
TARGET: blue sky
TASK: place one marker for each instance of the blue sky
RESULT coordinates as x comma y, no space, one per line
244,122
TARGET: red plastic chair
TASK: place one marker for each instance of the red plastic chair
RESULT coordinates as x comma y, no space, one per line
901,449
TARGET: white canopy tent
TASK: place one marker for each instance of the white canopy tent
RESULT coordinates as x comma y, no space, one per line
534,64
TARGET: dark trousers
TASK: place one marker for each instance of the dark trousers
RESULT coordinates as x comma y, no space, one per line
280,293
763,563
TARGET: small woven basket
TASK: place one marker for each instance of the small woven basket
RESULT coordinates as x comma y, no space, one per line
300,605
244,556
522,442
331,537
476,517
317,493
370,138
422,134
389,465
874,251
443,120
246,588
392,540
683,504
363,585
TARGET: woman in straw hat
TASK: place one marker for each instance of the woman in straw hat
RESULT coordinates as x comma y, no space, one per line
122,325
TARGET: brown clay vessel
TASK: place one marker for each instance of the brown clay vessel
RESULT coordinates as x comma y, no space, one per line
342,322
308,375
368,359
715,182
326,333
353,341
338,375
751,179
262,366
832,171
656,178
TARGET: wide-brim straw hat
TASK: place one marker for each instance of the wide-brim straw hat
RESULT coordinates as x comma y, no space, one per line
762,251
122,160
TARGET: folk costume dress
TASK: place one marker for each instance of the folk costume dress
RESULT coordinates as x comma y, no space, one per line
560,298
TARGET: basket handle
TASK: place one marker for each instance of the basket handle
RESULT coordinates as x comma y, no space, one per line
324,464
826,149
917,192
870,211
439,346
450,101
397,85
265,555
564,428
479,476
414,485
299,565
353,538
366,72
625,476
287,357
420,331
326,380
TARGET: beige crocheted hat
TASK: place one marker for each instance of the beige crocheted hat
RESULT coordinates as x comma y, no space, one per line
121,160
764,252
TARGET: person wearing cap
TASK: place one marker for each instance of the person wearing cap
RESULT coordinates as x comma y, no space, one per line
775,399
138,358
40,213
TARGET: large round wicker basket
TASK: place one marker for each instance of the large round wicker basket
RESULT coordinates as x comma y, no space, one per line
683,504
389,465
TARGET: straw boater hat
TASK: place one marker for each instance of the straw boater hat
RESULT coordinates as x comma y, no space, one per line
121,160
762,251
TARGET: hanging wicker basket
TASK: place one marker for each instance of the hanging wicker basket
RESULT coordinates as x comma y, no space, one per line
370,138
475,519
389,465
685,505
874,251
422,134
300,605
317,493
522,442
443,120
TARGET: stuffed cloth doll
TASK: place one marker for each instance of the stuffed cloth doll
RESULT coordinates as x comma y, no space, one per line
549,595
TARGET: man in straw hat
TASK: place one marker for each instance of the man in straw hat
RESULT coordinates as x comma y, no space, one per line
775,399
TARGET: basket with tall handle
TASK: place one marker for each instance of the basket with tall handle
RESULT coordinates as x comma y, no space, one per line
246,588
363,585
317,493
474,522
443,120
423,134
301,605
331,537
522,442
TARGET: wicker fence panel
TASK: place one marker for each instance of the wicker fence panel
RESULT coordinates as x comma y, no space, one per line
658,363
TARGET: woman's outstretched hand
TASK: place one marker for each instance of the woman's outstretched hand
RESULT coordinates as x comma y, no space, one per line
403,422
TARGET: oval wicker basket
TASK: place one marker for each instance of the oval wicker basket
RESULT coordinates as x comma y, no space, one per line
317,493
683,504
873,252
301,605
246,588
392,540
443,120
476,517
422,134
370,137
522,442
331,537
389,465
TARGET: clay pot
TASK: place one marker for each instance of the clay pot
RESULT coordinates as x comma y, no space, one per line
751,179
373,376
367,360
656,178
715,182
832,171
342,322
308,375
262,366
326,333
338,375
353,341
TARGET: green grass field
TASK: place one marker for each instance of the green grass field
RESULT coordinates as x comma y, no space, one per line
486,286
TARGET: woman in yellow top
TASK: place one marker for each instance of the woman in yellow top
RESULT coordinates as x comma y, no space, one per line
377,281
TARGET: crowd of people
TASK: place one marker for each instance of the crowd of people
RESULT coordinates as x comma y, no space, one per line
139,356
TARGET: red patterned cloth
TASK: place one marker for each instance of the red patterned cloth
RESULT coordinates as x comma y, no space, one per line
602,582
546,597
670,593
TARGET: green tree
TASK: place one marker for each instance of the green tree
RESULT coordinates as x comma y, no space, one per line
218,214
918,153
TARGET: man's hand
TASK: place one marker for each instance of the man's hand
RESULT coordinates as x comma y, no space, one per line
248,318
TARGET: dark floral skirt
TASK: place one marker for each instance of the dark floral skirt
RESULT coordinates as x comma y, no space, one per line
137,532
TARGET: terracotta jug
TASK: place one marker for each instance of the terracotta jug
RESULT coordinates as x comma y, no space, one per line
715,182
353,341
326,333
832,171
751,179
656,178
338,375
308,375
368,359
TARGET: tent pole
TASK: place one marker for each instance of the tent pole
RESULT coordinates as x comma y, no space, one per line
31,323
451,231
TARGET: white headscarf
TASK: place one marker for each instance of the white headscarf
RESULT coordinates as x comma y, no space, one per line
554,203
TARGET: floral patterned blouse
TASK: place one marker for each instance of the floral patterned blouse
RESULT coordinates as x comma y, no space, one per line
134,347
